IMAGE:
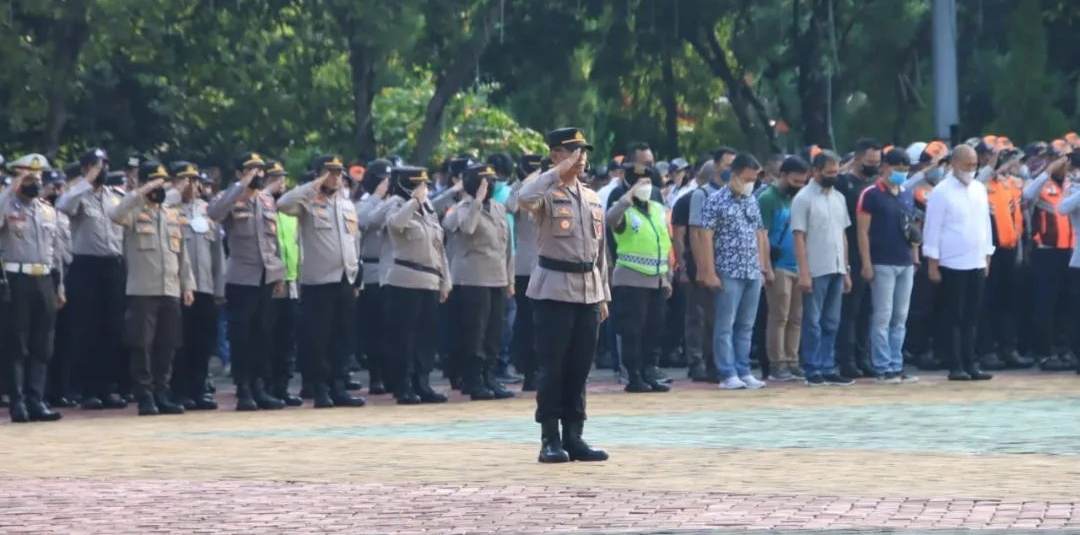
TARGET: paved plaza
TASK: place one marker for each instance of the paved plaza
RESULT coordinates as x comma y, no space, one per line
995,455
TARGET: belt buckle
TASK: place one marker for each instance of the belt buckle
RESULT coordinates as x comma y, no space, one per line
37,270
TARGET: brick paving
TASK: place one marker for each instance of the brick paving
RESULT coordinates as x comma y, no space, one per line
999,455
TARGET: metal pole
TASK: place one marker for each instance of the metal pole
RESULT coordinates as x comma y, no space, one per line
946,93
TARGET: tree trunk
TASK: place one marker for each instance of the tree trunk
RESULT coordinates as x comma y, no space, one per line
71,33
452,80
362,64
671,108
812,82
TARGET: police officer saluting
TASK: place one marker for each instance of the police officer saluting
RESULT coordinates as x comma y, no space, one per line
253,270
31,244
481,262
329,266
570,289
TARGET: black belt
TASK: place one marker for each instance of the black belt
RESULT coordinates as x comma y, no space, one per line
566,267
370,260
418,267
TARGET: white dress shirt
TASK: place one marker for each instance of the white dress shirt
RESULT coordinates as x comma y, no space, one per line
957,230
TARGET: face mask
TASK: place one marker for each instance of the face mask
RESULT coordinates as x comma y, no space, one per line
257,182
500,192
329,192
30,191
172,196
156,196
870,170
897,178
828,181
965,176
643,193
933,176
725,176
277,195
52,198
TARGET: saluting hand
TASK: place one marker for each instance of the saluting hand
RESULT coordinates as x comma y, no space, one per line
248,175
565,168
382,188
420,193
95,170
481,190
151,186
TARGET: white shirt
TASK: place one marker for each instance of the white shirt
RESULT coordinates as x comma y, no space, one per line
957,230
605,191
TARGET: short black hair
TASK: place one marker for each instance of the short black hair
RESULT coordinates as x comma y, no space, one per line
719,154
823,159
744,161
636,146
896,157
864,144
794,164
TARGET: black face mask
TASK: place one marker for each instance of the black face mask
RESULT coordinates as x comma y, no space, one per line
329,192
52,198
870,171
829,181
1058,178
277,195
30,191
257,182
156,196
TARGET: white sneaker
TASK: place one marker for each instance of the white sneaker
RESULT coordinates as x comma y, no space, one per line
732,383
752,382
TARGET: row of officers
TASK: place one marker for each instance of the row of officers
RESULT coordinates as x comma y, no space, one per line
389,254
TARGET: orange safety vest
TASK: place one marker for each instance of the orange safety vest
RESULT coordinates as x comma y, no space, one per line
1049,227
1006,218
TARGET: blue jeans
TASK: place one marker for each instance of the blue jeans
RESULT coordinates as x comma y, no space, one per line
890,292
821,320
736,310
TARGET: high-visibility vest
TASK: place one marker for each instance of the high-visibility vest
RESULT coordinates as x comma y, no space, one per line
1050,228
1005,212
643,244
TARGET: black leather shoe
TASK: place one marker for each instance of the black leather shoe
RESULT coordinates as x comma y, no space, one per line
377,388
1056,364
244,401
480,393
91,403
492,382
321,398
147,407
551,450
40,412
991,361
978,375
576,447
166,405
344,399
865,368
114,401
659,387
353,385
289,399
267,402
636,385
850,371
697,372
205,403
507,378
432,396
408,399
18,412
1014,359
62,402
187,403
959,375
529,383
653,374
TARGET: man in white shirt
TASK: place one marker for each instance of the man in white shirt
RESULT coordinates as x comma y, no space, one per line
957,243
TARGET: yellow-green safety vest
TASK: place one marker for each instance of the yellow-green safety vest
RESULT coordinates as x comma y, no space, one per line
643,245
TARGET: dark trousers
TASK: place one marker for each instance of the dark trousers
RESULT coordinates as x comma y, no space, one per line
925,327
251,328
153,326
638,314
852,345
283,359
1050,300
62,379
674,354
478,314
326,318
96,294
524,344
192,361
700,316
567,349
410,324
961,294
999,317
28,328
370,338
1074,293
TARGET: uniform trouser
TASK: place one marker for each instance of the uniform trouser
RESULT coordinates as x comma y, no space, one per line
700,316
524,344
192,361
638,314
410,326
925,328
999,317
1050,307
784,320
478,314
62,380
153,327
326,317
251,327
852,344
675,325
283,358
961,294
28,328
96,295
370,339
566,350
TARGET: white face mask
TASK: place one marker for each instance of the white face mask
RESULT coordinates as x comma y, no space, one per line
643,193
172,196
965,176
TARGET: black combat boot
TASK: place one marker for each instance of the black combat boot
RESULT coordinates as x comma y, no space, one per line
321,397
529,383
165,403
576,447
244,400
282,392
635,384
205,403
551,449
147,405
18,409
475,385
342,397
496,387
263,399
424,390
113,401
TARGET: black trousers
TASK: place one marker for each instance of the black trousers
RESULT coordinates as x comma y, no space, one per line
154,330
28,328
62,379
192,361
370,337
326,318
1050,300
567,350
675,315
523,343
96,291
478,315
638,314
411,335
286,350
926,330
251,327
961,294
1074,293
999,317
852,345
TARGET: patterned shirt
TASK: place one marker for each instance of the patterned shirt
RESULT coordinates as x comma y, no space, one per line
734,220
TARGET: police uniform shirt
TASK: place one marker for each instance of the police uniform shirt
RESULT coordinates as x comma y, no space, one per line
526,249
482,253
416,237
157,260
622,275
251,231
30,234
63,223
570,222
92,232
205,248
329,234
371,212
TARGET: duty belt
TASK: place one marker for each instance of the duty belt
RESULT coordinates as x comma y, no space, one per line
418,267
36,270
566,266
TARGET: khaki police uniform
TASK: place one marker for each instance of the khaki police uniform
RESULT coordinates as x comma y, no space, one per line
526,254
371,340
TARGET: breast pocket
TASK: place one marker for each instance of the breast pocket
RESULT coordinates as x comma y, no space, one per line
270,223
350,223
175,237
145,236
320,218
562,219
243,222
597,221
